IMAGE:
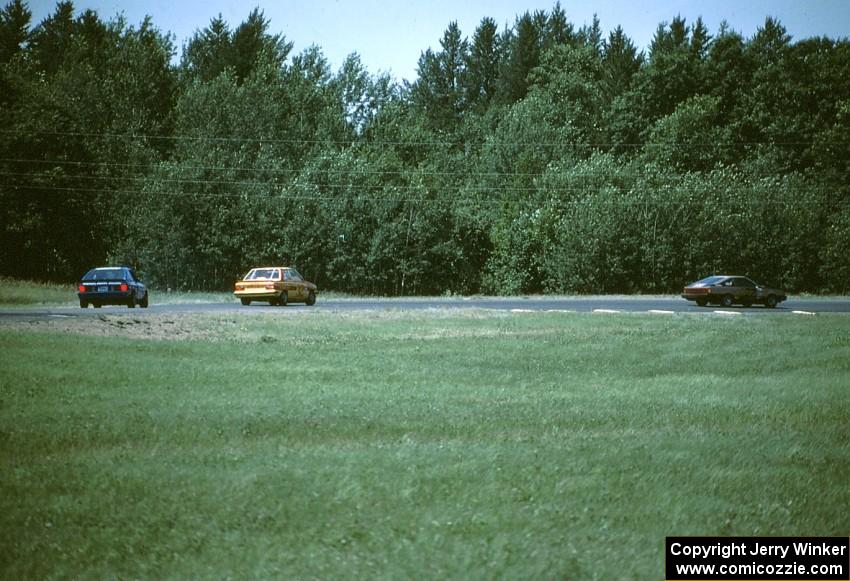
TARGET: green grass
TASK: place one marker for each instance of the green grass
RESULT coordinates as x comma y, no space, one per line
15,292
428,445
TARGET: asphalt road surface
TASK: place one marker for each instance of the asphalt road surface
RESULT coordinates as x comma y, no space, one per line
624,304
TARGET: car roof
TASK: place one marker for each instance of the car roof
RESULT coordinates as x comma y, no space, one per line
267,267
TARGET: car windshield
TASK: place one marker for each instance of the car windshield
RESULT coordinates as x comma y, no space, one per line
709,280
263,274
105,274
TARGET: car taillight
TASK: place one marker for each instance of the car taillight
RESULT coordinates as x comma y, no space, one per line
82,288
124,287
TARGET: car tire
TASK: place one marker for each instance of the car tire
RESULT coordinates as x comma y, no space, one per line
144,304
727,301
282,299
771,302
311,299
246,302
84,304
131,304
702,302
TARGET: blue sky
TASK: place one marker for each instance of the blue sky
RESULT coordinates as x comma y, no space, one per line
389,35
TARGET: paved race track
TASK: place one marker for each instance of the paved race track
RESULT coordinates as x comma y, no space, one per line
580,304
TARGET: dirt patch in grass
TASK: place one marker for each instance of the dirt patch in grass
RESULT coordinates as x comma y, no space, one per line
170,327
261,327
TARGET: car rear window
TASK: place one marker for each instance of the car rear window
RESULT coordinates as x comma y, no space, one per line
263,274
710,280
105,274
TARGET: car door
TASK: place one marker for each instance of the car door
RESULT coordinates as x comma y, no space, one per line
289,284
300,285
745,290
727,287
278,275
136,284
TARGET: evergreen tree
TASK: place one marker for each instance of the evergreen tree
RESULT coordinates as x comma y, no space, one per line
482,66
620,62
522,54
15,20
439,90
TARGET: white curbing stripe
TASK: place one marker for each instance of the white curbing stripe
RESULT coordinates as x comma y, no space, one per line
522,311
727,313
609,311
804,313
658,312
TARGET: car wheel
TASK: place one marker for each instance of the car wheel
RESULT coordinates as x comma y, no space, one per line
771,302
246,302
311,299
84,304
144,303
283,299
131,304
727,301
702,302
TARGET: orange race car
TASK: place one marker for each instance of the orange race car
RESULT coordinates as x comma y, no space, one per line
278,285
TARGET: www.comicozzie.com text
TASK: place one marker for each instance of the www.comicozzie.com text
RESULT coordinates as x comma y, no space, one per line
743,549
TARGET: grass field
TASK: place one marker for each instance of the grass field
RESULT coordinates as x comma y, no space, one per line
462,445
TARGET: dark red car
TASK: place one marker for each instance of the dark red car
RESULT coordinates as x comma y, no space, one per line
727,290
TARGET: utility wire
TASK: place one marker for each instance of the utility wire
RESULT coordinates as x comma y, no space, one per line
390,197
433,143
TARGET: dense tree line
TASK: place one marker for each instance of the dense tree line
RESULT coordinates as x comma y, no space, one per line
538,158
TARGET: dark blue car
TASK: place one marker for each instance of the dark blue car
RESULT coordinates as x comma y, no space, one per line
112,285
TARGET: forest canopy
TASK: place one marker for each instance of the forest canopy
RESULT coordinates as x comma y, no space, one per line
539,158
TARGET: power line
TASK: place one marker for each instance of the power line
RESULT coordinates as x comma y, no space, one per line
389,197
430,143
354,172
414,172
